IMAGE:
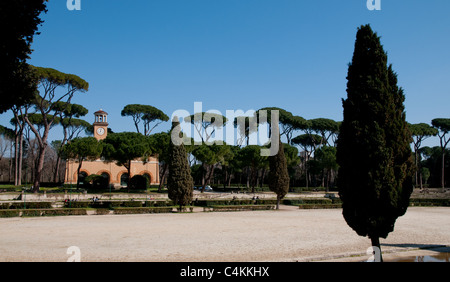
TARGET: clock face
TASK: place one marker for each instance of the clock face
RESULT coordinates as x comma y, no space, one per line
100,131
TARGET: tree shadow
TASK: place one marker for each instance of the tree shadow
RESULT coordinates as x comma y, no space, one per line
430,247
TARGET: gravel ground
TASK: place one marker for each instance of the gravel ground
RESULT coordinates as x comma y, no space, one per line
289,234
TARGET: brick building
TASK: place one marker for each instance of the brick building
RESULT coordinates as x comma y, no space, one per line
116,175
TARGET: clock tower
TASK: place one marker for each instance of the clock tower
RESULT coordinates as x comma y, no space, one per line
100,125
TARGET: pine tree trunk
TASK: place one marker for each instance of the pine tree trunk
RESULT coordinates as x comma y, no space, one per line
443,171
39,169
78,172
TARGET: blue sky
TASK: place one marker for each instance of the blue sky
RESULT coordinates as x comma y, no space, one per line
241,54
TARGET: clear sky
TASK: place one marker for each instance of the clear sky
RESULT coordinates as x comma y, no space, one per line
241,54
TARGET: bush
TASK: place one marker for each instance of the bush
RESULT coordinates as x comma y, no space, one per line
31,212
132,204
158,203
142,210
56,212
96,182
101,211
9,213
429,202
320,206
31,205
109,204
239,208
77,205
139,182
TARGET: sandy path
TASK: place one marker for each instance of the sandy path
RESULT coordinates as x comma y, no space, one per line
286,235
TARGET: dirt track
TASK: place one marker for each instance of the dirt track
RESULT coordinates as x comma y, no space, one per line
286,235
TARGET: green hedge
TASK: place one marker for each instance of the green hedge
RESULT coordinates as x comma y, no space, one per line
9,213
53,212
77,204
160,203
142,210
236,202
429,202
27,205
239,208
320,206
102,204
101,211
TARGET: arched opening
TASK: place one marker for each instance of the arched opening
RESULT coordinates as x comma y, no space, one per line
106,177
149,178
82,178
124,179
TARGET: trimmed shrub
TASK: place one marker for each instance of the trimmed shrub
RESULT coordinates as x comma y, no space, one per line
429,202
158,203
132,204
111,204
57,212
320,206
101,211
31,205
139,182
9,213
77,205
142,210
239,208
31,212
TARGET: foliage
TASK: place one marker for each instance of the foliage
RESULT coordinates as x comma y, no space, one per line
205,124
97,182
373,151
278,175
179,183
87,148
443,125
124,147
145,113
289,122
210,156
139,182
20,20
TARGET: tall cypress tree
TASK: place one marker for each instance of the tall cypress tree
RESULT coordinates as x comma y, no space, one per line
279,175
179,182
373,148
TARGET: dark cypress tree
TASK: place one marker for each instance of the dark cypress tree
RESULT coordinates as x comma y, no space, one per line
179,181
279,175
373,148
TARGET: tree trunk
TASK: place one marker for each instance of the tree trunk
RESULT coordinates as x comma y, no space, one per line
20,160
129,176
39,168
443,170
162,177
78,172
417,167
376,248
16,160
208,178
55,175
